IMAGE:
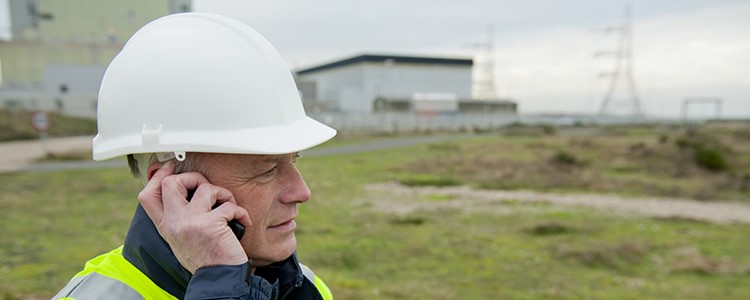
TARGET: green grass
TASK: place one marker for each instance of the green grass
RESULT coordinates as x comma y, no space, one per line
52,222
14,125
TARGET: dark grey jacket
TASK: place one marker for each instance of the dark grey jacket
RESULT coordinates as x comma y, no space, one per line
147,251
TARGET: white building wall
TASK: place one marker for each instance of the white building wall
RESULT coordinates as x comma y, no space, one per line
341,86
404,80
353,88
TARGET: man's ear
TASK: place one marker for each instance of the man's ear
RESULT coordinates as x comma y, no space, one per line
152,170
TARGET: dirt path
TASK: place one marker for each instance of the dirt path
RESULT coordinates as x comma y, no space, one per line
16,155
468,199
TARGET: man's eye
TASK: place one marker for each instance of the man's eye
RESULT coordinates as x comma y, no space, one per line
270,172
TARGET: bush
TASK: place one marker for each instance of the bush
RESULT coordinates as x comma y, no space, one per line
682,143
706,149
710,159
566,158
428,180
663,139
549,129
551,228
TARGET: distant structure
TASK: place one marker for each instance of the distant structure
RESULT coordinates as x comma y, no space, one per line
59,49
687,102
484,82
392,83
623,70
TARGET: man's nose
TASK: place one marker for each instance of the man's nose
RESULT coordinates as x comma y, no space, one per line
296,189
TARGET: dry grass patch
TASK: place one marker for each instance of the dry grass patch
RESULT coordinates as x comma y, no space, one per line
699,164
691,260
615,256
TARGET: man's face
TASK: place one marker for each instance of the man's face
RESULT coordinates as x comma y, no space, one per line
269,187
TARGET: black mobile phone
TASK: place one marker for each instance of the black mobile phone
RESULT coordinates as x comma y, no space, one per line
237,228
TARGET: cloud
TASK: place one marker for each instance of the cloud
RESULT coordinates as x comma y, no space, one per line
544,49
700,53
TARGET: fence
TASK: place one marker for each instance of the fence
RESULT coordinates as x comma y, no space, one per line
468,122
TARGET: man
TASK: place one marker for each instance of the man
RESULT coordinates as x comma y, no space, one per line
209,116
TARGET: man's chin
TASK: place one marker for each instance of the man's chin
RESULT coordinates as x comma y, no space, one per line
279,252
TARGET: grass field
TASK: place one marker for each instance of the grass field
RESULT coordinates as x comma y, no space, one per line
15,125
53,222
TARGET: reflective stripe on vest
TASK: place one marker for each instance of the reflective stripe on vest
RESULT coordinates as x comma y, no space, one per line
319,284
95,286
111,276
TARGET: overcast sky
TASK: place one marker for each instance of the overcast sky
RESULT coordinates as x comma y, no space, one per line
543,50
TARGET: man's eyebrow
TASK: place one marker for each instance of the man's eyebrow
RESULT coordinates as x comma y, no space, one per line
277,158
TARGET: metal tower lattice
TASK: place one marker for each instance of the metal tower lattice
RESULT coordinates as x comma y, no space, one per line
623,69
484,85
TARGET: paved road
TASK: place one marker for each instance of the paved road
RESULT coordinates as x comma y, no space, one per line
19,156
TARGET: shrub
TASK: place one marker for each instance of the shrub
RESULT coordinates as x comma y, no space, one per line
428,180
566,158
710,159
663,139
551,228
682,143
549,129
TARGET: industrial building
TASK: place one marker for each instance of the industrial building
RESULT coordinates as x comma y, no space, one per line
58,50
392,83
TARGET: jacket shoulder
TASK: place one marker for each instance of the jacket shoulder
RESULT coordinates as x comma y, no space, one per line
111,276
316,282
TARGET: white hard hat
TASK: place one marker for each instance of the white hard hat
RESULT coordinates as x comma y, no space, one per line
198,82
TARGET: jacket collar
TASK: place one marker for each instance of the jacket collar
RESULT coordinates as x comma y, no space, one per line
150,253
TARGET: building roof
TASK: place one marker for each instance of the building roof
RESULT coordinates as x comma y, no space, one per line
384,58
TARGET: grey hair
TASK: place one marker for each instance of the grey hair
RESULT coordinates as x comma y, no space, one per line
139,163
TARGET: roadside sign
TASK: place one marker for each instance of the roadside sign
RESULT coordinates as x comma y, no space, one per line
41,121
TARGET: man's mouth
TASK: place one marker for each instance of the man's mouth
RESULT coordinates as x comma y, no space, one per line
286,225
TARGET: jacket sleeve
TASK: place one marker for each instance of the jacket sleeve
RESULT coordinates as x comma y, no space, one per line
228,282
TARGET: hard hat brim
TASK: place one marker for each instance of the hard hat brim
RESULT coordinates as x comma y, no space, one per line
278,139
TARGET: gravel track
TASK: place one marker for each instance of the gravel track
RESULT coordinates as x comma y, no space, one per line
469,199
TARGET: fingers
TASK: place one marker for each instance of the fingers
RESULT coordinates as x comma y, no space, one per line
166,193
207,195
230,211
150,196
174,189
241,215
169,198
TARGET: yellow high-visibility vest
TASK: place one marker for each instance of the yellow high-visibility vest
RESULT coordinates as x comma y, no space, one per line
111,276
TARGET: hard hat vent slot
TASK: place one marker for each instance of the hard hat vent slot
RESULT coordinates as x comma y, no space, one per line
150,137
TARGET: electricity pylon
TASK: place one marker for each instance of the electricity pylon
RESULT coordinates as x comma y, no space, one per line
623,68
485,83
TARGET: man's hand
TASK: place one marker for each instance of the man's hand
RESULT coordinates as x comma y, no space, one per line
198,236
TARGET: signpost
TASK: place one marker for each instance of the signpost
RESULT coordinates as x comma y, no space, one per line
41,121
